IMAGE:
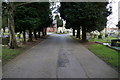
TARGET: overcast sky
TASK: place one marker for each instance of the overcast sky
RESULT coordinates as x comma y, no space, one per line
113,18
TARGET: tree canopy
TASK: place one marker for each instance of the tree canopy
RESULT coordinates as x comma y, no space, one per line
90,16
31,16
59,21
118,25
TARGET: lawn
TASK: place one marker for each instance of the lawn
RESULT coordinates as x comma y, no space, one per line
107,54
8,54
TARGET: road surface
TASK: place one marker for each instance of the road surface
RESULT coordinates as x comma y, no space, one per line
59,56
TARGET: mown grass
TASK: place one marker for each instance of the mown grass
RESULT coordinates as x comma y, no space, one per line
8,54
107,54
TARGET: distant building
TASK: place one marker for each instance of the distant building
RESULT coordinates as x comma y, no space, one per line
111,30
51,29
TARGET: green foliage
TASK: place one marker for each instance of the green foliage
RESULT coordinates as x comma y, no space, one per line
59,21
4,15
32,16
92,15
69,12
118,25
57,17
5,41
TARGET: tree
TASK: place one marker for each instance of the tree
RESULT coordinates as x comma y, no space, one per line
4,16
13,42
68,26
89,16
32,21
59,21
118,25
69,12
25,20
30,18
95,17
10,10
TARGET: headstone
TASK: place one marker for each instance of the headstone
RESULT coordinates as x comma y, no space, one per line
106,35
5,41
95,35
115,42
99,36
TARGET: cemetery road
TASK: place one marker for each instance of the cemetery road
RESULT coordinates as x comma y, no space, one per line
58,56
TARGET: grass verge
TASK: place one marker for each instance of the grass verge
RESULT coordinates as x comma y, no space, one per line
8,54
108,55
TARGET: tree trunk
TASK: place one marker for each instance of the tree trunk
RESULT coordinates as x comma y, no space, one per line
73,31
43,32
19,35
84,34
119,32
3,29
35,35
24,37
39,34
30,36
78,33
13,42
